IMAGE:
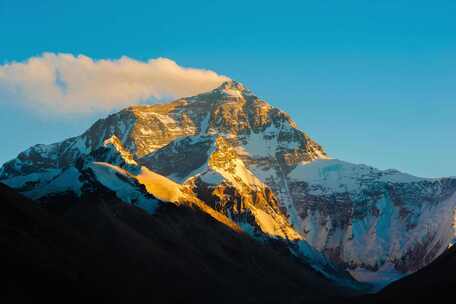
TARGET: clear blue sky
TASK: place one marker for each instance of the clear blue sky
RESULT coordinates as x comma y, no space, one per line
372,81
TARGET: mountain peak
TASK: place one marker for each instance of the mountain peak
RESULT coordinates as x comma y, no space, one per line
233,88
121,154
232,84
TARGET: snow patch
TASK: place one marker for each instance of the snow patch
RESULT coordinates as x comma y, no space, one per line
108,176
159,186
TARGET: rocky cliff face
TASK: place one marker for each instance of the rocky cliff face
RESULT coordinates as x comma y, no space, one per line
380,224
211,168
247,162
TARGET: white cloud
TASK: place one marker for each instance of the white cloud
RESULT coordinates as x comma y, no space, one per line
64,83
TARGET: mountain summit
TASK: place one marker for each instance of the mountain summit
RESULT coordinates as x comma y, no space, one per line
233,88
245,163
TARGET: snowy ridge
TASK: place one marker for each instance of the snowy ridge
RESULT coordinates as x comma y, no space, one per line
161,187
339,176
111,177
119,148
381,224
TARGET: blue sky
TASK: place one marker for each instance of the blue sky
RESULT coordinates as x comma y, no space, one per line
372,81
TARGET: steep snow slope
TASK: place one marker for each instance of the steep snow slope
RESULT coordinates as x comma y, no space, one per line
160,186
123,185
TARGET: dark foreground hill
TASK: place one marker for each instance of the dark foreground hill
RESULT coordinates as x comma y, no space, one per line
435,281
104,249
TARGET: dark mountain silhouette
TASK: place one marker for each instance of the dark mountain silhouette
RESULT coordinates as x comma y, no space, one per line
101,248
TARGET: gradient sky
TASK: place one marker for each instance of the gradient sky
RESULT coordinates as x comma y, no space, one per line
372,81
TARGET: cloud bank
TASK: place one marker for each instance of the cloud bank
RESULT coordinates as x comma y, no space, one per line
64,83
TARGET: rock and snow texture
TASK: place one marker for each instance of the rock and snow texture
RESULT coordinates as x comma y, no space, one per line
123,185
211,168
233,190
232,153
380,224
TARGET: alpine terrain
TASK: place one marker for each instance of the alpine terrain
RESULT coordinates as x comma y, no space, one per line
246,166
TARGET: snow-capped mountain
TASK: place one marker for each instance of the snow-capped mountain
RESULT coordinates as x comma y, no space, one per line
246,163
229,117
112,168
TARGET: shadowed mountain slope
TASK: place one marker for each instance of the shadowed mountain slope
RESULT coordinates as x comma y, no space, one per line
103,248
